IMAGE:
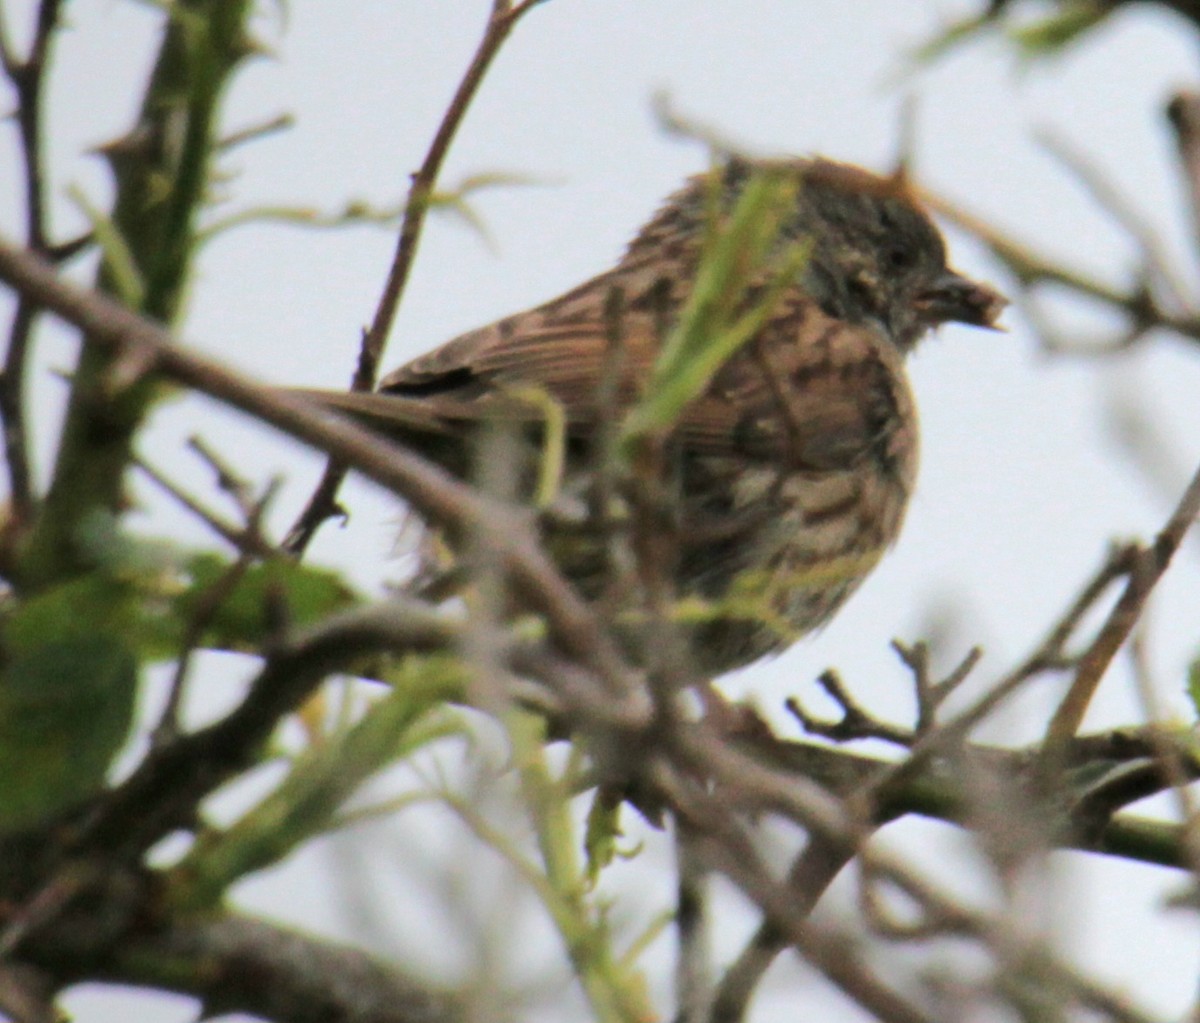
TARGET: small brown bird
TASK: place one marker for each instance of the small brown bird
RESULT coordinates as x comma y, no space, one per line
792,468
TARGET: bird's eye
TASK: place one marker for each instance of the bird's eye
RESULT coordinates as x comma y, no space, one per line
861,291
899,257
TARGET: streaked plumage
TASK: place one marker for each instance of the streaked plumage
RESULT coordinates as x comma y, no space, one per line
794,467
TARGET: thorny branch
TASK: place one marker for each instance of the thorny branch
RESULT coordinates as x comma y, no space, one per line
27,76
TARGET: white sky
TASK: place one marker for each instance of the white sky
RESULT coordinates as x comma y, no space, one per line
1021,486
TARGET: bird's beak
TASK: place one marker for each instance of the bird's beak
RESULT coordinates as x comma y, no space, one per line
957,298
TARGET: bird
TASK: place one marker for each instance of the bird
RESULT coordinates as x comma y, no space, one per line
789,469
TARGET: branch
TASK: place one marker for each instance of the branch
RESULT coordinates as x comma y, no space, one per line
1149,566
237,964
323,503
1183,113
813,871
27,77
161,170
1030,269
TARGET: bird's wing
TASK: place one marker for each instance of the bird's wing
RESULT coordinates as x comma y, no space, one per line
813,391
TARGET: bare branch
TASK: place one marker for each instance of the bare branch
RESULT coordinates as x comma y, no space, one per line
1159,265
855,722
1183,113
236,964
1148,567
323,503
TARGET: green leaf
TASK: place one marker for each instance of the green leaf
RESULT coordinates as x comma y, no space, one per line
1193,684
954,35
243,619
1050,35
151,592
94,603
715,321
120,262
601,842
66,707
1040,38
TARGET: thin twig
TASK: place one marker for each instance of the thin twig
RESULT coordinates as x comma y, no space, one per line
1013,947
27,77
322,505
855,723
811,874
1159,264
167,730
251,546
165,789
1175,768
721,837
253,509
1149,566
237,537
933,692
1030,269
281,122
693,970
1183,113
1050,655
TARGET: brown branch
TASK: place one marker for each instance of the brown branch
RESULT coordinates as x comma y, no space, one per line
932,692
1149,566
1019,952
248,541
1050,655
1183,113
693,967
322,505
1157,261
856,722
738,781
721,838
26,995
812,872
238,964
27,77
167,730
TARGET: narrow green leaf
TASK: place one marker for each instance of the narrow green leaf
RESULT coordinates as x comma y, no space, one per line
119,260
321,779
242,620
715,322
957,33
1049,36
